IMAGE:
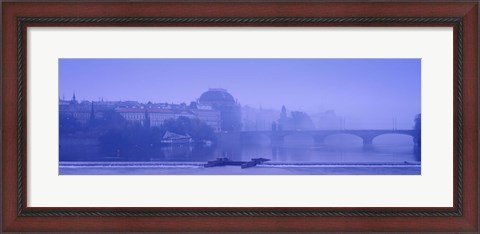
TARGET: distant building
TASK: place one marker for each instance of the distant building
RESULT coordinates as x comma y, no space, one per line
132,114
156,115
328,120
210,116
212,111
85,111
222,101
258,119
78,111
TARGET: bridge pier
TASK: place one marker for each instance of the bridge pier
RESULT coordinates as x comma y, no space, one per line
417,148
367,143
277,135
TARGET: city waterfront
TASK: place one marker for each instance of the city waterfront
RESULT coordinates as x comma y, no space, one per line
240,117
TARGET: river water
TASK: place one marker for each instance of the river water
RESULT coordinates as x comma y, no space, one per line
341,155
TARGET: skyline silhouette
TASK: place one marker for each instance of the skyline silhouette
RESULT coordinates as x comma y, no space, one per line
366,91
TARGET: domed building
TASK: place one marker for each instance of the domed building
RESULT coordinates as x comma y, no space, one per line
222,101
216,97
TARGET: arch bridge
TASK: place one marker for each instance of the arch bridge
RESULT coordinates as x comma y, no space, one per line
367,136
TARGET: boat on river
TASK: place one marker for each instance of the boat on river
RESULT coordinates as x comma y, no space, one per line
171,138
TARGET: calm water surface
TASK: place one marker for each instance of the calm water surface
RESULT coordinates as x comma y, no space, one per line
340,155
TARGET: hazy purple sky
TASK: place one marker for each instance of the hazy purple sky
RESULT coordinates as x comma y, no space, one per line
357,88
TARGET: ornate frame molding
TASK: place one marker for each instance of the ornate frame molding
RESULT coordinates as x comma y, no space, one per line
24,22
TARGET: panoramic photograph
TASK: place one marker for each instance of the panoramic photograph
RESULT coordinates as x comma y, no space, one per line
225,116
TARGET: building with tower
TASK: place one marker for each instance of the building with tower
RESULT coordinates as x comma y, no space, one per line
222,101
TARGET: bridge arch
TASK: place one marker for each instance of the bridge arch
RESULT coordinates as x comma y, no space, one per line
339,138
298,137
392,142
400,137
366,136
319,136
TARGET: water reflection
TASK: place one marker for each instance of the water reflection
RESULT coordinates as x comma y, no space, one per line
334,150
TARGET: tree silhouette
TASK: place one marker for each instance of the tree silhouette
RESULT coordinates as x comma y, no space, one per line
68,124
417,139
197,129
134,137
301,121
418,129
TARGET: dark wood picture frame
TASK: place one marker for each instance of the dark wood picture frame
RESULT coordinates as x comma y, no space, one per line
17,16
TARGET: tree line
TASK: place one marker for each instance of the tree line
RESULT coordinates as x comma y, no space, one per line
115,133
